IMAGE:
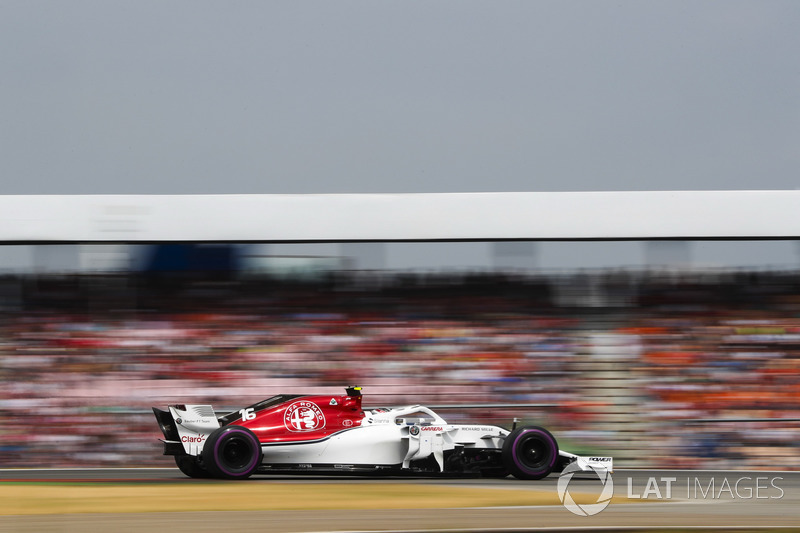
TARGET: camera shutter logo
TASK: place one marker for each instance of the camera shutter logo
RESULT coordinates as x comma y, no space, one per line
585,509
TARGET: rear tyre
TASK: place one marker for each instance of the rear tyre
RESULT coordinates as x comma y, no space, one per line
232,452
191,466
530,452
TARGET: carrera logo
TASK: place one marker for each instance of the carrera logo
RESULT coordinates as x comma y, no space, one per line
303,416
432,428
189,438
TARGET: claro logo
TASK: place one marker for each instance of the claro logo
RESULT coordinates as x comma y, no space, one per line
189,438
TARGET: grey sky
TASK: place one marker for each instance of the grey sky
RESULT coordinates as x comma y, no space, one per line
373,96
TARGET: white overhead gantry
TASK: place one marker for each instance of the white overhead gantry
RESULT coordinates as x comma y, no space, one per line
623,215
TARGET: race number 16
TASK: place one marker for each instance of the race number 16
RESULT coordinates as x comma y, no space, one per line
247,414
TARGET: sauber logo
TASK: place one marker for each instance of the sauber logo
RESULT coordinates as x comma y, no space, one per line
189,438
303,416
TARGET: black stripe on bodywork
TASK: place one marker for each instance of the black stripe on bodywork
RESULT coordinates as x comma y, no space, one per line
331,468
260,406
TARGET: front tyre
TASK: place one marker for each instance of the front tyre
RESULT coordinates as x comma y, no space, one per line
232,452
530,452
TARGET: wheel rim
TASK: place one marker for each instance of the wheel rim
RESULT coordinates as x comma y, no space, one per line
534,452
236,453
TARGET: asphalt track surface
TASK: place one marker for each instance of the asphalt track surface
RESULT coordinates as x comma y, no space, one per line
720,500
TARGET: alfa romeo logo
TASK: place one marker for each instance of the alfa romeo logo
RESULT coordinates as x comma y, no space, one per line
586,509
303,416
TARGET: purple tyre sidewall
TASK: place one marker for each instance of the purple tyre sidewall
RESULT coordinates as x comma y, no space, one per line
253,461
545,437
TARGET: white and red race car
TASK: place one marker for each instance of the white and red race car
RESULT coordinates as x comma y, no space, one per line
332,434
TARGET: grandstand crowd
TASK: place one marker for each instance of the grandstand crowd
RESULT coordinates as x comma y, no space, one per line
659,370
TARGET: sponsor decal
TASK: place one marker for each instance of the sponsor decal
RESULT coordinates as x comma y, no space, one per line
432,428
414,430
333,402
347,422
184,421
189,438
303,416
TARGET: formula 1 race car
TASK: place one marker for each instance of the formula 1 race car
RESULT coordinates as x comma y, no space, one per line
332,434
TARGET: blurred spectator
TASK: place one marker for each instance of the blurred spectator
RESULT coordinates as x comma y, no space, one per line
631,369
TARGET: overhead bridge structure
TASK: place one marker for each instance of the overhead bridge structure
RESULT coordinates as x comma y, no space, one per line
535,216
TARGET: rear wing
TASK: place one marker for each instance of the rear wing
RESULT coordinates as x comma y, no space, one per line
186,427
